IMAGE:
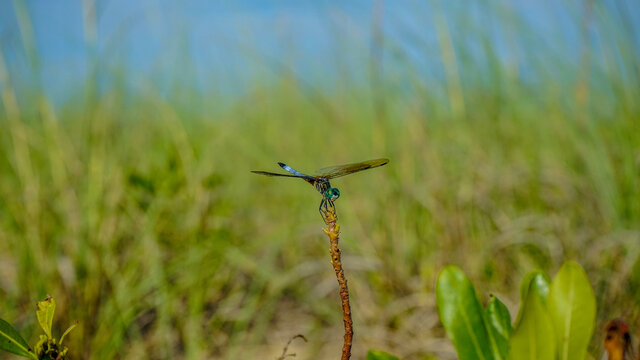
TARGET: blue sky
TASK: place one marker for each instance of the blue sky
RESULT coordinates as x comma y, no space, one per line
228,44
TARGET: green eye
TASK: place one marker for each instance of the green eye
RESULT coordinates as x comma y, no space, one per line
332,194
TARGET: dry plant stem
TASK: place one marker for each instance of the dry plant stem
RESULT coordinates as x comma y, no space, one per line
286,347
333,231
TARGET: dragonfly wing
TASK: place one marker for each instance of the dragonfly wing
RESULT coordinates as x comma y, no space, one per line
294,171
342,170
272,174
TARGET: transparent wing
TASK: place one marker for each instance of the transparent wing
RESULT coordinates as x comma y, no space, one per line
342,170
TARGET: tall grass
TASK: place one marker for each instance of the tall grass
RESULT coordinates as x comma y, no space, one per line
136,209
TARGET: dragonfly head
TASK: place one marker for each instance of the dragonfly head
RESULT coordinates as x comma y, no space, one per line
332,194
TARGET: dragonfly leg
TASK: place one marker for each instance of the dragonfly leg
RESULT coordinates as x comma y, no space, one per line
331,207
326,206
323,210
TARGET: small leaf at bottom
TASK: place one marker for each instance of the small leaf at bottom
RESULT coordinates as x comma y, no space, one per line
11,341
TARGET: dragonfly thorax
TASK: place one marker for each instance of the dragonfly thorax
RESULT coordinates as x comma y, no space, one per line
324,188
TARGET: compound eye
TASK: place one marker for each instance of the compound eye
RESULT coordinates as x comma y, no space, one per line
335,193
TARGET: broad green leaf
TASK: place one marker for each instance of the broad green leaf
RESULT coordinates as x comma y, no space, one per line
11,341
533,338
44,312
572,307
379,355
539,283
499,325
462,315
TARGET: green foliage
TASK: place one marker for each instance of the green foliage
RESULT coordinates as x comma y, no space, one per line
380,355
499,326
463,316
47,348
555,320
539,282
533,337
536,282
11,341
44,312
572,308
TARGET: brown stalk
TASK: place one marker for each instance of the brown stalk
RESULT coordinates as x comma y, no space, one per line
333,231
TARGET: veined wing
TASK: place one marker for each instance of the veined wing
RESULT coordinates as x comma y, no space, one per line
294,171
342,170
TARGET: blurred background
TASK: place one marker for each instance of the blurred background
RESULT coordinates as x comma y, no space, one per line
128,130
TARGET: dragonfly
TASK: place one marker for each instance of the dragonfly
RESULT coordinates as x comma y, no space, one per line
320,179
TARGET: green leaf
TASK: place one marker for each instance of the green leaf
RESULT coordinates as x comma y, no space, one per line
499,325
67,331
44,312
11,341
379,355
572,307
462,315
539,283
533,337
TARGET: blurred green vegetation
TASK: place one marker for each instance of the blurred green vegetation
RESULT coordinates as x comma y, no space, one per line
136,210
